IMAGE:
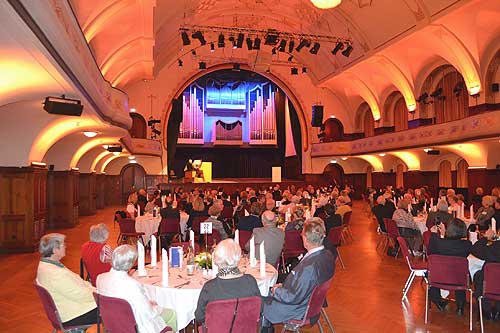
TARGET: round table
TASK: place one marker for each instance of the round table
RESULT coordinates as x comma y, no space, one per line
420,222
148,225
183,290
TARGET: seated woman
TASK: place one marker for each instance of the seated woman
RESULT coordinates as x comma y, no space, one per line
131,205
408,227
230,283
117,283
214,213
455,244
485,213
72,296
96,254
198,209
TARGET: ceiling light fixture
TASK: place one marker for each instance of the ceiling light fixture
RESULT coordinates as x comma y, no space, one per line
381,154
132,110
90,134
344,158
131,157
326,4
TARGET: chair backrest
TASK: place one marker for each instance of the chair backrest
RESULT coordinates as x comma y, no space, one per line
316,301
127,225
185,246
116,313
169,225
219,315
49,306
245,236
427,239
448,272
335,234
227,212
392,228
404,250
346,220
196,223
293,241
491,286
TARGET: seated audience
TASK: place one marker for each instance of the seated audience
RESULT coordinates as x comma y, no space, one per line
389,203
381,212
117,283
198,209
439,216
290,299
273,238
230,283
455,244
214,213
96,254
253,220
320,207
342,206
488,250
169,211
485,213
453,203
408,227
297,220
72,296
332,219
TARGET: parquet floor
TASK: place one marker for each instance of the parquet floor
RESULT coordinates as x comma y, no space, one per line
366,297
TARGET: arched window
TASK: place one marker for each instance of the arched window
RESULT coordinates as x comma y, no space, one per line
462,180
334,130
368,124
400,169
138,129
445,174
400,115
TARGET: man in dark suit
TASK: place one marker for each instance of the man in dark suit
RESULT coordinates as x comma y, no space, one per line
289,300
381,212
253,220
441,216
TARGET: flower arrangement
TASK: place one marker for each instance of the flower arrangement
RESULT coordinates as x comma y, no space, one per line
204,260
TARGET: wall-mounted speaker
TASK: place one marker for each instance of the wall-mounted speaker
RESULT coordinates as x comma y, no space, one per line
495,87
433,152
63,106
317,116
51,167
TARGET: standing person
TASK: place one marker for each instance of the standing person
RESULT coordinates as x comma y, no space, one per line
290,299
72,296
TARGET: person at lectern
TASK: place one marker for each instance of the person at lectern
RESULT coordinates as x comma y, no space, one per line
189,165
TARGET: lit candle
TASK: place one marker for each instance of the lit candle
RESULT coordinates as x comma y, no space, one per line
237,236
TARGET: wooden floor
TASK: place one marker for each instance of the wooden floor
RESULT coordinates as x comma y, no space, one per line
366,297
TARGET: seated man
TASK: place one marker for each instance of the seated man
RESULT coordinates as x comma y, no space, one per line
381,212
117,283
440,216
253,220
273,238
290,300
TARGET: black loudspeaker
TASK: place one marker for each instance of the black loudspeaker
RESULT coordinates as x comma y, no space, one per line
51,167
495,87
317,116
63,106
433,152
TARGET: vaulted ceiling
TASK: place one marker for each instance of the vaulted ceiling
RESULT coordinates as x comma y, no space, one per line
134,39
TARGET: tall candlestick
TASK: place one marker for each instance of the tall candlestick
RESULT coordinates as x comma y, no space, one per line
262,257
253,261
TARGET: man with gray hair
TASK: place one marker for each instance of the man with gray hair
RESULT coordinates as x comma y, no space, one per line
117,283
273,238
439,216
290,299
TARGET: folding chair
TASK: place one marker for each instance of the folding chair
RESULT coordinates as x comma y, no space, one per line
240,315
244,236
392,232
334,236
346,222
293,246
127,230
416,268
491,287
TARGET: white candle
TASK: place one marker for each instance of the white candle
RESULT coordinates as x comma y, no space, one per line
262,256
191,238
247,213
164,268
425,207
237,201
471,212
432,202
237,237
138,210
141,269
253,261
462,211
153,251
494,225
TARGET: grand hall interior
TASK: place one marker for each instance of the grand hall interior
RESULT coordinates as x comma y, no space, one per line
175,166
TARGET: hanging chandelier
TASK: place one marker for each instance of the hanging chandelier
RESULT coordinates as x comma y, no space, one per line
326,4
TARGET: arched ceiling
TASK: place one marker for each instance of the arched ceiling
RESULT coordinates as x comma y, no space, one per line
133,39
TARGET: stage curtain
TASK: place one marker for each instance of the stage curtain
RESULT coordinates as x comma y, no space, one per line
445,174
173,126
279,104
452,107
462,167
400,116
297,136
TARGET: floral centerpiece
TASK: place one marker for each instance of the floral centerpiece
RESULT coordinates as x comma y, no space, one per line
204,260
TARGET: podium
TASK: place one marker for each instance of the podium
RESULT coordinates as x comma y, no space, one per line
189,176
202,175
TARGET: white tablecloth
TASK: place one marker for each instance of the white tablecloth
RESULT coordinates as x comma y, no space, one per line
184,299
420,222
148,225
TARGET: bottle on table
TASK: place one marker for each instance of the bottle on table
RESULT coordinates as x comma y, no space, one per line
190,261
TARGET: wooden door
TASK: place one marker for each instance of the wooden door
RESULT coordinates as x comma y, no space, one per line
133,178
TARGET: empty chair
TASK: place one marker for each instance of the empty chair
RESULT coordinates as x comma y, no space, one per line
491,287
117,315
127,230
314,310
213,238
449,273
416,268
334,236
196,223
240,315
169,228
53,314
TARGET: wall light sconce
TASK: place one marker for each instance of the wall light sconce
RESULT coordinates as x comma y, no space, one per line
90,134
474,90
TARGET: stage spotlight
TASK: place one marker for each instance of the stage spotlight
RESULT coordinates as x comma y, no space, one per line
221,42
179,61
212,47
256,43
303,43
152,121
291,45
347,52
271,37
294,71
202,65
185,38
315,48
236,67
239,43
193,52
339,46
249,43
290,58
233,40
199,36
282,45
304,70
